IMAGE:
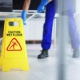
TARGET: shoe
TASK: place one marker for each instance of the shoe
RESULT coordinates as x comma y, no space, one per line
76,53
44,54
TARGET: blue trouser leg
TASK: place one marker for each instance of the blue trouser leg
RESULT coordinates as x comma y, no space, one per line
73,32
47,29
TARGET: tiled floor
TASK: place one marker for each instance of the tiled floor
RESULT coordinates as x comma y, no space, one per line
44,69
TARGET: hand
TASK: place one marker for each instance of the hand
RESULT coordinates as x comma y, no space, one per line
40,9
24,16
42,5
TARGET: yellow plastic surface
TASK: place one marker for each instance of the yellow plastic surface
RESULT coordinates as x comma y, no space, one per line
14,52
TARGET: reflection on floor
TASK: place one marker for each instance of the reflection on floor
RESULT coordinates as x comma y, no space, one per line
44,69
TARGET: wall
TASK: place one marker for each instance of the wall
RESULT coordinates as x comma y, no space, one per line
78,6
18,4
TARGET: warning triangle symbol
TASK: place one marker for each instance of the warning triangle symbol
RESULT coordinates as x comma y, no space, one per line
14,45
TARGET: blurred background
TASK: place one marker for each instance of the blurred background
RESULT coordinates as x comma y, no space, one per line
59,65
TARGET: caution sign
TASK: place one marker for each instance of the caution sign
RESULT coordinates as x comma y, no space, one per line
14,45
14,50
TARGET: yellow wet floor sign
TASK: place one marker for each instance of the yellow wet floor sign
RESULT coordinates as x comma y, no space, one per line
13,52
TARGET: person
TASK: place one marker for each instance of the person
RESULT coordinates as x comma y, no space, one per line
47,28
